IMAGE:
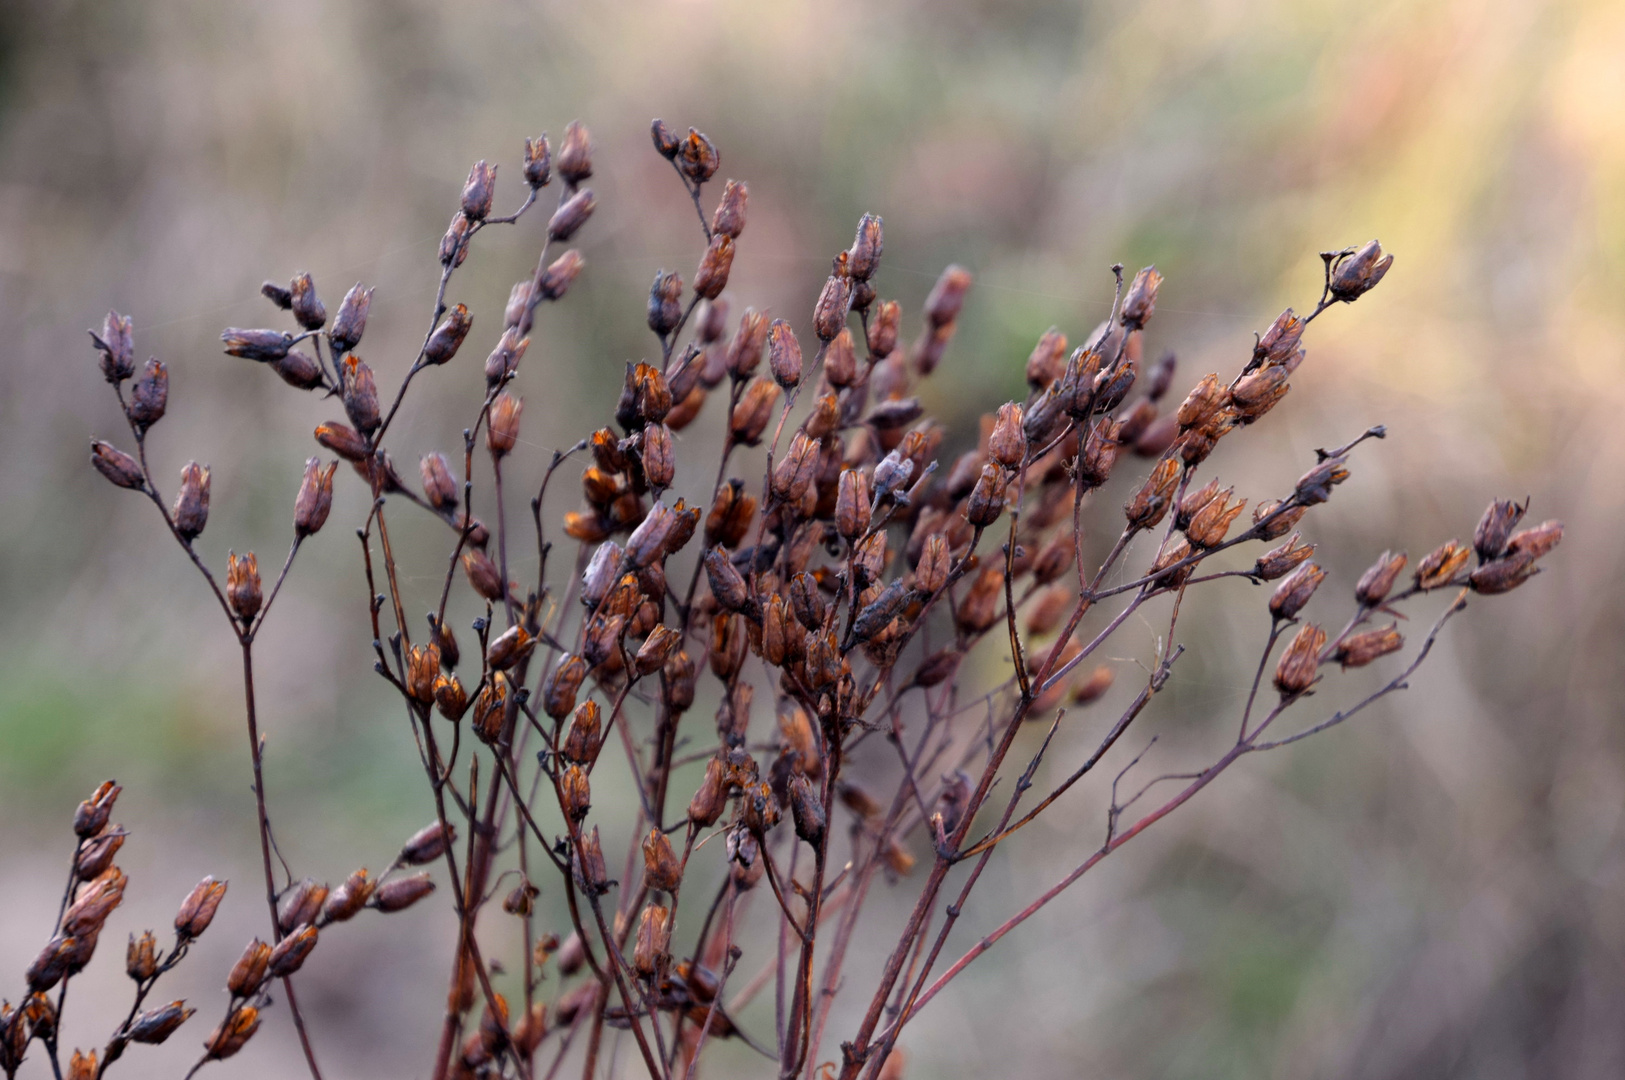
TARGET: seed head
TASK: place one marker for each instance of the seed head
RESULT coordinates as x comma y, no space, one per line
234,1031
1299,664
729,219
120,468
262,345
243,586
1294,592
360,395
883,326
697,157
249,972
1356,274
575,154
712,276
307,307
478,190
569,218
1360,649
155,1025
1141,298
350,897
1282,560
402,893
197,910
116,344
502,430
538,161
559,696
149,397
191,511
351,321
1376,582
1150,503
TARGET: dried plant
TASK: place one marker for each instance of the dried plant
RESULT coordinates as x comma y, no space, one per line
834,604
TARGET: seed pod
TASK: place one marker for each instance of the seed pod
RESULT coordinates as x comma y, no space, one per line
155,1025
1280,342
1280,524
314,501
243,586
1315,486
711,798
665,303
648,541
659,456
759,811
491,709
350,897
492,1035
947,296
538,161
1360,649
729,219
1092,688
454,244
120,468
1141,298
730,515
91,816
448,336
249,972
878,613
575,791
1150,503
427,844
1442,565
422,667
1502,575
745,350
300,905
438,486
806,601
829,313
651,656
897,858
478,190
298,371
81,1066
307,307
261,345
1209,525
1204,400
727,584
602,572
979,608
852,504
585,737
450,697
1495,528
351,321
560,275
116,343
360,395
1295,590
1379,579
1277,562
531,1029
402,893
677,679
232,1033
483,574
697,157
502,429
666,142
863,259
794,473
1537,541
1299,664
569,218
931,575
660,868
141,957
197,910
343,441
892,475
149,397
806,810
50,965
191,511
784,354
1356,274
1007,444
559,696
575,154
712,276
651,951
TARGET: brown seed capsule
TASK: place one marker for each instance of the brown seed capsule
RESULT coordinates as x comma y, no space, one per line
730,515
1209,525
299,371
243,586
652,654
502,430
478,190
307,307
829,313
1279,345
517,315
1280,561
454,244
1537,541
491,710
116,344
422,667
931,575
315,498
450,697
1280,523
697,157
947,296
81,1066
652,950
538,161
141,957
350,897
754,411
665,303
729,219
874,616
559,696
794,473
197,910
883,326
745,349
1150,503
711,798
438,486
232,1033
343,441
987,499
1442,565
712,276
1007,444
191,512
585,737
249,972
559,276
677,682
1315,486
660,867
569,218
1379,579
119,468
351,321
1295,590
261,345
300,905
863,259
360,394
149,397
1204,400
402,893
1141,298
591,874
91,816
1360,649
575,154
1297,669
1356,274
658,457
427,844
784,354
155,1025
483,574
448,336
1495,528
853,504
979,608
727,584
1502,575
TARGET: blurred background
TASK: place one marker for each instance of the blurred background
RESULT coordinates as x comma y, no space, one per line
1435,890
